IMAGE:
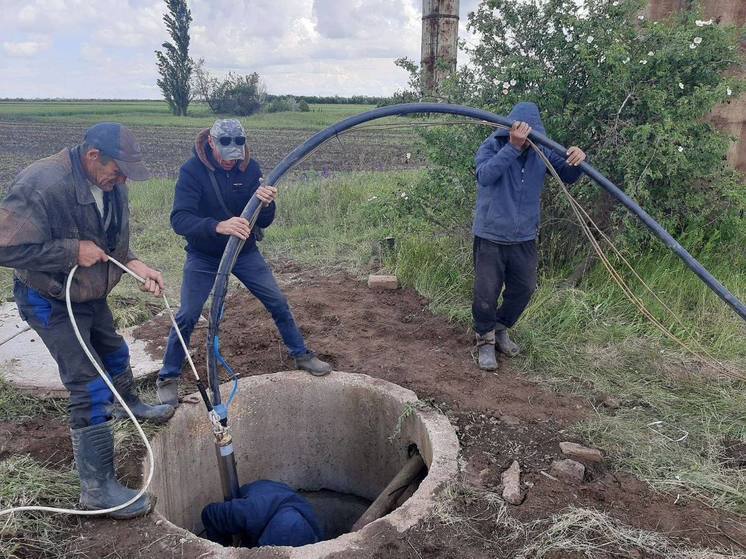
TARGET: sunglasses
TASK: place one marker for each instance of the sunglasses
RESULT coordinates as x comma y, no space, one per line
226,140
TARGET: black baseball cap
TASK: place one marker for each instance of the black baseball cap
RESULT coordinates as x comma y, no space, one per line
118,142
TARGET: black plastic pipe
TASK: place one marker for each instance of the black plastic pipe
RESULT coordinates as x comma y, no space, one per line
252,208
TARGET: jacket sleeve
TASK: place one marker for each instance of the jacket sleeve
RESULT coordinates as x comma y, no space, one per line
26,242
185,217
492,162
567,173
266,216
238,516
221,522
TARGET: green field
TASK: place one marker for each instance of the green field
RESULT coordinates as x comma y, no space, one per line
156,113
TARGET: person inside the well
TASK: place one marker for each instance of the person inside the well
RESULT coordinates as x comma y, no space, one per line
266,513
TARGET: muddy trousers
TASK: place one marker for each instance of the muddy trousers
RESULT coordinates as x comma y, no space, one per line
498,266
90,398
199,276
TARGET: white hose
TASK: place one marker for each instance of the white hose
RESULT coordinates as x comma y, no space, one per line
108,382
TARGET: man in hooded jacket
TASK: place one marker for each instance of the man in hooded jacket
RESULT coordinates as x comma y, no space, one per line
510,179
211,192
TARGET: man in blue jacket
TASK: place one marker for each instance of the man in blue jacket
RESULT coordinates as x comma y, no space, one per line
510,178
267,513
212,189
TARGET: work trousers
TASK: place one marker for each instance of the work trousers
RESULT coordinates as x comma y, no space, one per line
512,266
90,397
199,276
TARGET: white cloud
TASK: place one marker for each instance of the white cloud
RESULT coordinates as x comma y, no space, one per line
25,49
105,48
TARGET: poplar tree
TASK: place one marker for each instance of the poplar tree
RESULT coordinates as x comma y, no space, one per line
174,63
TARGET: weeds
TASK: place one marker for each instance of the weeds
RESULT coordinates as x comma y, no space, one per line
26,482
16,406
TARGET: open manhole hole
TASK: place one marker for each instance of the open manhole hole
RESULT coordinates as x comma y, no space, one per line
338,439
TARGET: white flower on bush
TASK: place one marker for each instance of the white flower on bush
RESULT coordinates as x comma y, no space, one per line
697,40
680,148
650,53
568,38
506,85
505,92
589,39
615,3
409,156
602,60
681,85
404,195
641,18
625,61
513,82
729,91
372,198
643,62
701,22
692,46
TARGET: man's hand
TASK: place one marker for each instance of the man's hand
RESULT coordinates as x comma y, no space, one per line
266,194
153,278
575,156
519,134
235,226
89,254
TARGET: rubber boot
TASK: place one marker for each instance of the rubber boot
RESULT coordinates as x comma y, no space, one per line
486,351
93,447
312,364
167,390
125,385
505,344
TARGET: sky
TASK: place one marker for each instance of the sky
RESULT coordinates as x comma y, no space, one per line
105,49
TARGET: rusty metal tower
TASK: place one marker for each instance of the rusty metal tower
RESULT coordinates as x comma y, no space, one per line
439,42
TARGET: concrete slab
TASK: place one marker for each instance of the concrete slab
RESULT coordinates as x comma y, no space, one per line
26,363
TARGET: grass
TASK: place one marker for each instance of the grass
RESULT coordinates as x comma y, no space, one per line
573,338
586,340
156,113
480,519
26,482
16,406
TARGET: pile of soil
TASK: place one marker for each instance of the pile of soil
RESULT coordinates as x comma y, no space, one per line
499,418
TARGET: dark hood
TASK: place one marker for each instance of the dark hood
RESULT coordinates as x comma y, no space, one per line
526,112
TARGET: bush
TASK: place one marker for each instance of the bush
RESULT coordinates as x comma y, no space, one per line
633,93
282,104
303,106
234,95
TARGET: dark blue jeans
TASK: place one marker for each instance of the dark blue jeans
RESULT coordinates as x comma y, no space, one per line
199,276
90,397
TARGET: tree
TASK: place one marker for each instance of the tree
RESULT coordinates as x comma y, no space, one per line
175,66
634,94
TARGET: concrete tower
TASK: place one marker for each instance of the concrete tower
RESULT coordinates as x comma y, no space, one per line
730,117
439,42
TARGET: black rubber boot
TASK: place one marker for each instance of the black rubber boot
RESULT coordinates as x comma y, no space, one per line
93,447
168,391
125,385
312,364
486,351
505,344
